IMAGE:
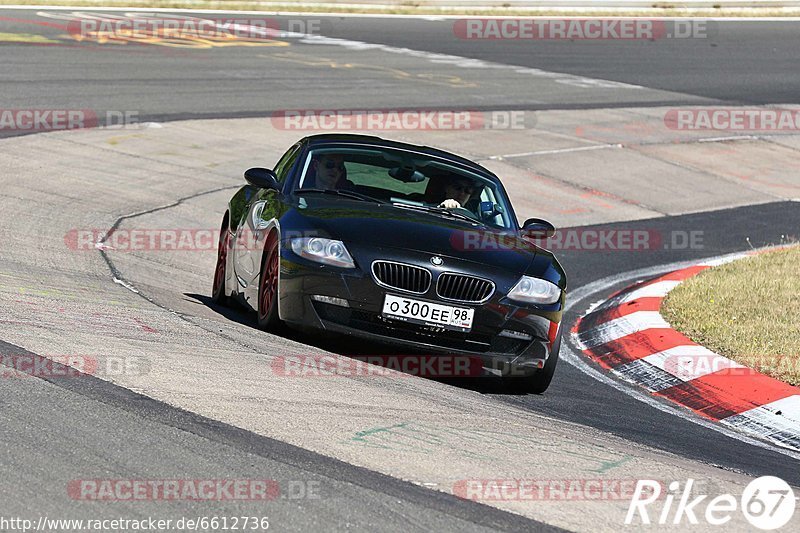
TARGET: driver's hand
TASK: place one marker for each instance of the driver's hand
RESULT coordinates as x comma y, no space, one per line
450,204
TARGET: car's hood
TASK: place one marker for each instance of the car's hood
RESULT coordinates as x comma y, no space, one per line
360,224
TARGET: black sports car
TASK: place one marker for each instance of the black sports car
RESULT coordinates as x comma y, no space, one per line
399,244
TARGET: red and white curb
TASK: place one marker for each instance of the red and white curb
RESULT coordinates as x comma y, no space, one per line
627,335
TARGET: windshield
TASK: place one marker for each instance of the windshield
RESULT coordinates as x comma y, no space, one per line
406,179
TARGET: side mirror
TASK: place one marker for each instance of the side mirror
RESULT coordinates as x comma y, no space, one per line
490,209
538,228
263,178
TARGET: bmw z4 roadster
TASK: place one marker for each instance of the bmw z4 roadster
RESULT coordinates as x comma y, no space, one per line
399,244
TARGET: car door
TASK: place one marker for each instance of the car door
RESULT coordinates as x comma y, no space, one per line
246,243
252,231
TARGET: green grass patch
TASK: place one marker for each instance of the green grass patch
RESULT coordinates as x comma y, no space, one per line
748,311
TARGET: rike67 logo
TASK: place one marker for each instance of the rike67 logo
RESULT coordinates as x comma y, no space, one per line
767,503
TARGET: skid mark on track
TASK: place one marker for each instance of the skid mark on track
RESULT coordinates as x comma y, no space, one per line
394,73
28,38
51,315
580,82
482,445
64,309
59,294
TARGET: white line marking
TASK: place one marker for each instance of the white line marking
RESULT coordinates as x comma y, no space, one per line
783,429
724,260
559,151
690,362
732,138
788,408
645,375
570,357
621,327
572,80
466,62
658,289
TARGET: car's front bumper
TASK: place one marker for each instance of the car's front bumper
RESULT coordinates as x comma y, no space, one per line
508,338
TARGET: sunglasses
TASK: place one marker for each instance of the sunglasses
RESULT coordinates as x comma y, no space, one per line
330,165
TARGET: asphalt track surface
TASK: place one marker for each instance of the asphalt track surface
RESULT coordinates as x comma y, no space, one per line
743,63
747,62
158,438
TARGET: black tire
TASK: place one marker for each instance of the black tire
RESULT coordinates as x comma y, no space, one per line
268,286
538,382
219,294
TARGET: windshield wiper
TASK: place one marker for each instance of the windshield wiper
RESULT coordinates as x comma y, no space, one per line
340,192
442,211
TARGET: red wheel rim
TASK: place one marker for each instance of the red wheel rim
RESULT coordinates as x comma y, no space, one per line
269,284
222,258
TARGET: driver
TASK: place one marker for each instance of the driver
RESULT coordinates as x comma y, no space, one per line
457,193
330,172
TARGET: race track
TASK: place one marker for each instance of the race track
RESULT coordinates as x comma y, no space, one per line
361,453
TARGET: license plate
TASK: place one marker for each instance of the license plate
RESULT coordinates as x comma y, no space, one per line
428,313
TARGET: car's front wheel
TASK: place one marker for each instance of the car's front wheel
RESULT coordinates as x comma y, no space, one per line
268,286
538,382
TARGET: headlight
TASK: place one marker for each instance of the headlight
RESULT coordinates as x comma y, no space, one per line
322,250
534,290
